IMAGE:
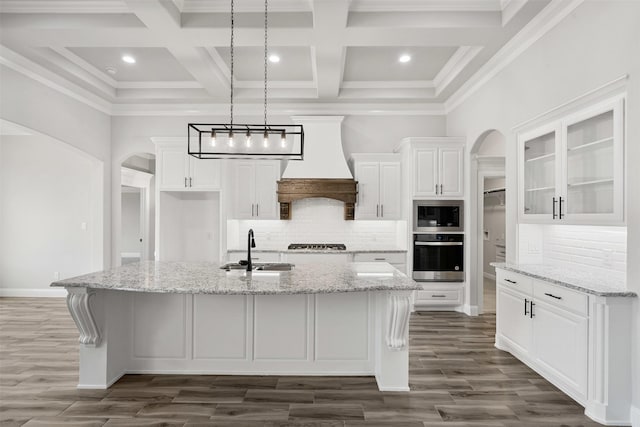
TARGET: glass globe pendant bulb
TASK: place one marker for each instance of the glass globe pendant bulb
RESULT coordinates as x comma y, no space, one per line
248,139
266,139
230,139
283,139
213,138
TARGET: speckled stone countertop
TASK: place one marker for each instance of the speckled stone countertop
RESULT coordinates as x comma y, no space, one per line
580,280
208,278
316,251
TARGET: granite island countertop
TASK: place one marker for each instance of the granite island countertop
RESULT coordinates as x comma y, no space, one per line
320,251
580,280
208,278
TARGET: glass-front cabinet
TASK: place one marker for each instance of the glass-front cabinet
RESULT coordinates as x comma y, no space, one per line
572,170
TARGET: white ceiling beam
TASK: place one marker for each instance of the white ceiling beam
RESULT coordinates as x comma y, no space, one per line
425,19
163,17
510,8
208,6
63,6
329,19
454,66
426,5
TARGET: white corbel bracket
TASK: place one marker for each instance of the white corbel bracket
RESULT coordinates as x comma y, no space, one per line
398,324
78,302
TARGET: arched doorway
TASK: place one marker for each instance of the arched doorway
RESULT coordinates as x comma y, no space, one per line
488,195
137,206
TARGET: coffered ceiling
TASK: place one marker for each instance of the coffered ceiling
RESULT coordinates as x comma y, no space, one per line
332,52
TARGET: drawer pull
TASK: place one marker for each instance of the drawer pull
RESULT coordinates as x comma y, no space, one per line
380,259
526,303
552,296
531,305
438,296
510,281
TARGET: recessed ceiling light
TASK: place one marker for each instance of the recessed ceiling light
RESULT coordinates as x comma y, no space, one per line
404,58
274,58
129,59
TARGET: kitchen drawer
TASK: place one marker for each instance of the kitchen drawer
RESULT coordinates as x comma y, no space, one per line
515,281
390,257
561,297
445,297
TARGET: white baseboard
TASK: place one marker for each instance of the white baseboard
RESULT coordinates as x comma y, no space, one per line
635,416
32,293
489,276
469,310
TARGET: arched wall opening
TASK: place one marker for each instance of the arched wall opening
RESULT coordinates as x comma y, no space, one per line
51,212
487,167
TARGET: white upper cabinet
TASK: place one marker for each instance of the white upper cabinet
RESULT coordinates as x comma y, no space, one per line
379,186
178,171
255,189
438,170
572,170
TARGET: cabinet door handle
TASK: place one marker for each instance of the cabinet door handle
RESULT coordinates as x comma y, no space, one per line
510,281
382,211
436,189
377,211
552,296
437,296
190,182
251,209
185,182
531,305
441,189
257,209
560,204
526,302
554,208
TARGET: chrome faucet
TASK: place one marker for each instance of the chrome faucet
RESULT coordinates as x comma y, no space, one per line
251,243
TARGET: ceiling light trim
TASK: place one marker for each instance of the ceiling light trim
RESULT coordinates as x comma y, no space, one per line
534,30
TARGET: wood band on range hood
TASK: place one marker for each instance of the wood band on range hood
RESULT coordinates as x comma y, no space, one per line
290,189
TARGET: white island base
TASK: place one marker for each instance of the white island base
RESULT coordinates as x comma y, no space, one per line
340,333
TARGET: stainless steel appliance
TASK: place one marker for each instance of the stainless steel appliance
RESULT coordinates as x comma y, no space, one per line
318,246
438,216
438,257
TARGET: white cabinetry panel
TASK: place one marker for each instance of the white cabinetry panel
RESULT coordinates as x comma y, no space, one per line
172,166
379,185
348,313
560,344
281,334
515,325
450,171
390,190
221,329
255,189
368,176
425,171
159,326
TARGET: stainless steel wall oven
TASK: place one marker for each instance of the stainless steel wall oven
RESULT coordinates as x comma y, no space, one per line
438,257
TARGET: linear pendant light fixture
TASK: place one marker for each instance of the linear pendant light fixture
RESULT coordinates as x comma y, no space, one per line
242,141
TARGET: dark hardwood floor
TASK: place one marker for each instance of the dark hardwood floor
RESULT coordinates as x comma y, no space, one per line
457,379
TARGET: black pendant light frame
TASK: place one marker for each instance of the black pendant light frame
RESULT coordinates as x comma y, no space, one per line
205,140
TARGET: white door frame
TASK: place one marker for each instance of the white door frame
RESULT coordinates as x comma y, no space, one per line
142,180
485,167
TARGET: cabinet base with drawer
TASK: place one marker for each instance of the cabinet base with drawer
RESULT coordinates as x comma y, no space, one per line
579,342
439,297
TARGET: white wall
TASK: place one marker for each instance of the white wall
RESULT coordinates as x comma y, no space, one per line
38,107
131,232
46,195
596,44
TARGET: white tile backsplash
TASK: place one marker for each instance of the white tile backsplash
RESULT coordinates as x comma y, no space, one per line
599,249
318,220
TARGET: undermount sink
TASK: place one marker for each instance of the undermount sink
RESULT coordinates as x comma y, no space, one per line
259,266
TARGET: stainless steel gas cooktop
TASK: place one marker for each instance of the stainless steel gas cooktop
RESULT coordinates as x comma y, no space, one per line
318,246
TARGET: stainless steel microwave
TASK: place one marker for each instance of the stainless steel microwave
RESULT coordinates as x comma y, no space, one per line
438,216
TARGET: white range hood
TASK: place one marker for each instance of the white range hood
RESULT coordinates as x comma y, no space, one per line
323,154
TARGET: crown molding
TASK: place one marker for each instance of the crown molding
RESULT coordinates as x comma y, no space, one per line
354,109
50,79
542,23
63,6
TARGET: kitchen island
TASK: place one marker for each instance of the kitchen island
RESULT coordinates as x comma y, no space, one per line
166,317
